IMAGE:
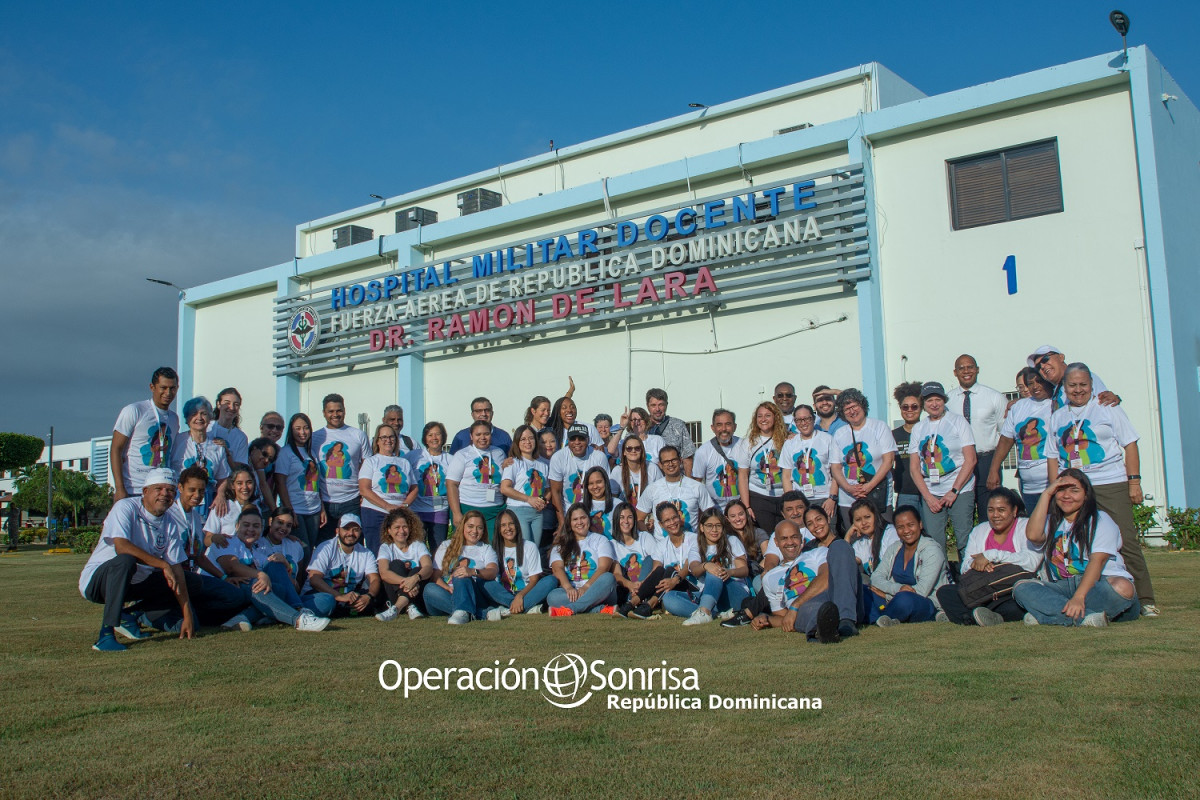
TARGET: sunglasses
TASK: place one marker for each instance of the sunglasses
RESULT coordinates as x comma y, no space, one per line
1042,360
824,398
784,395
913,407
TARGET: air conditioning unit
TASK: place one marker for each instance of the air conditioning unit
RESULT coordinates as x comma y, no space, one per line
351,234
793,128
478,200
409,218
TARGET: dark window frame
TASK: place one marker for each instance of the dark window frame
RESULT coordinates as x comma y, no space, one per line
1004,154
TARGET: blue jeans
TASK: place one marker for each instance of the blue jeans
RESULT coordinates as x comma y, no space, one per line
435,532
465,597
307,527
910,606
870,605
715,595
602,592
1045,600
913,500
531,524
1031,500
536,594
372,521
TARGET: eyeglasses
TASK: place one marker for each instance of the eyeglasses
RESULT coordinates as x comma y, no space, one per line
805,418
785,395
633,449
271,426
712,526
665,461
911,407
386,438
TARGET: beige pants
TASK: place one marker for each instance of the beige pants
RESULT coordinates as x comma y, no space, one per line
1113,499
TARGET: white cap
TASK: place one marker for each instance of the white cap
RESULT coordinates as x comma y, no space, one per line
1041,351
349,519
159,475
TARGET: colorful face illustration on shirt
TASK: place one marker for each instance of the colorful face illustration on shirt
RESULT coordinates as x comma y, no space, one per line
512,579
632,566
582,567
806,469
333,461
392,480
1079,446
1031,438
309,481
158,443
573,487
858,463
766,466
725,482
1066,559
536,484
485,471
601,523
795,581
433,480
935,456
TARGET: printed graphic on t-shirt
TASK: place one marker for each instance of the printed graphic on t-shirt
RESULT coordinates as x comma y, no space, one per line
807,469
511,577
432,480
1031,438
158,445
335,465
632,566
766,464
858,462
340,577
485,471
392,480
310,480
684,512
1082,445
725,482
536,484
796,580
601,523
582,567
573,488
1067,561
935,456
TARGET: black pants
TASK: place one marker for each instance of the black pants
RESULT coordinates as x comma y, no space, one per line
844,589
112,584
392,591
646,588
768,511
959,614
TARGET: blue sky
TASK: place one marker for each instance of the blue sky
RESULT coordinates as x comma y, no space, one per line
186,141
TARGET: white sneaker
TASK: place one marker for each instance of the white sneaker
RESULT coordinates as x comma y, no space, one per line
240,622
1030,619
414,612
1150,610
494,615
726,614
388,614
699,617
459,618
985,618
505,612
309,621
1097,619
885,621
538,609
941,616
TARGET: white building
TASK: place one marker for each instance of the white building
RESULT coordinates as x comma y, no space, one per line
845,230
90,457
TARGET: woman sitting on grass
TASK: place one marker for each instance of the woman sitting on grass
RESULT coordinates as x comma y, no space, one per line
1000,540
909,574
870,536
636,566
405,565
741,526
239,493
582,564
1087,583
461,567
522,585
721,569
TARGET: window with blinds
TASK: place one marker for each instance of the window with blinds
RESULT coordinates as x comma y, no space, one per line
1016,183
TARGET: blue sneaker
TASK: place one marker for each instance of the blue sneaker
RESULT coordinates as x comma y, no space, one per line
130,629
107,643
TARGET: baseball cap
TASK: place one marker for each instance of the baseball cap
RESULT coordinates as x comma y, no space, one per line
578,431
159,475
933,389
349,519
1041,351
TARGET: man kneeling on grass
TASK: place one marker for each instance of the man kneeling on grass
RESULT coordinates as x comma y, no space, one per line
343,576
794,595
139,557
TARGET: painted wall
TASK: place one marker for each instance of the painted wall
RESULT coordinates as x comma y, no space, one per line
1079,274
232,347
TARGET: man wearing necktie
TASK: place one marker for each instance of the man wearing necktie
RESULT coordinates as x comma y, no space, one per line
983,407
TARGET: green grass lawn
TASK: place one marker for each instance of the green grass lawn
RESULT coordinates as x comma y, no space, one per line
916,711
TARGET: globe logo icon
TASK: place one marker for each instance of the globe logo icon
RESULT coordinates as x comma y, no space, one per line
563,678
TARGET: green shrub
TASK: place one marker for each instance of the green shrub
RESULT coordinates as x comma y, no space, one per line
1184,533
1143,520
83,540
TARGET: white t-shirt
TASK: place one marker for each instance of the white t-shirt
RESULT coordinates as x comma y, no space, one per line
191,529
672,555
391,478
514,577
477,556
653,473
686,494
1093,439
303,478
1016,550
784,583
859,453
208,454
862,548
587,561
151,433
478,475
762,459
430,471
1028,425
568,468
290,549
343,572
736,550
239,550
225,523
637,559
810,463
1065,561
601,520
939,446
340,452
528,477
411,556
235,441
719,476
161,537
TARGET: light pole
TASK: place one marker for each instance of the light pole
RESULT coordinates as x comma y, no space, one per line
179,289
51,533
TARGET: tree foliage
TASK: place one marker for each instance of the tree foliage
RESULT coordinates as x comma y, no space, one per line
74,492
17,450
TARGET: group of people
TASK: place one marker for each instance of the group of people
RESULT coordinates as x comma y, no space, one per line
818,519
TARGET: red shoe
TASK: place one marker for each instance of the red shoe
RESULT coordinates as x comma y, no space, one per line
608,610
561,611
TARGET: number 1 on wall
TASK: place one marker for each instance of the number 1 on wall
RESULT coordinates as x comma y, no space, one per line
1010,266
